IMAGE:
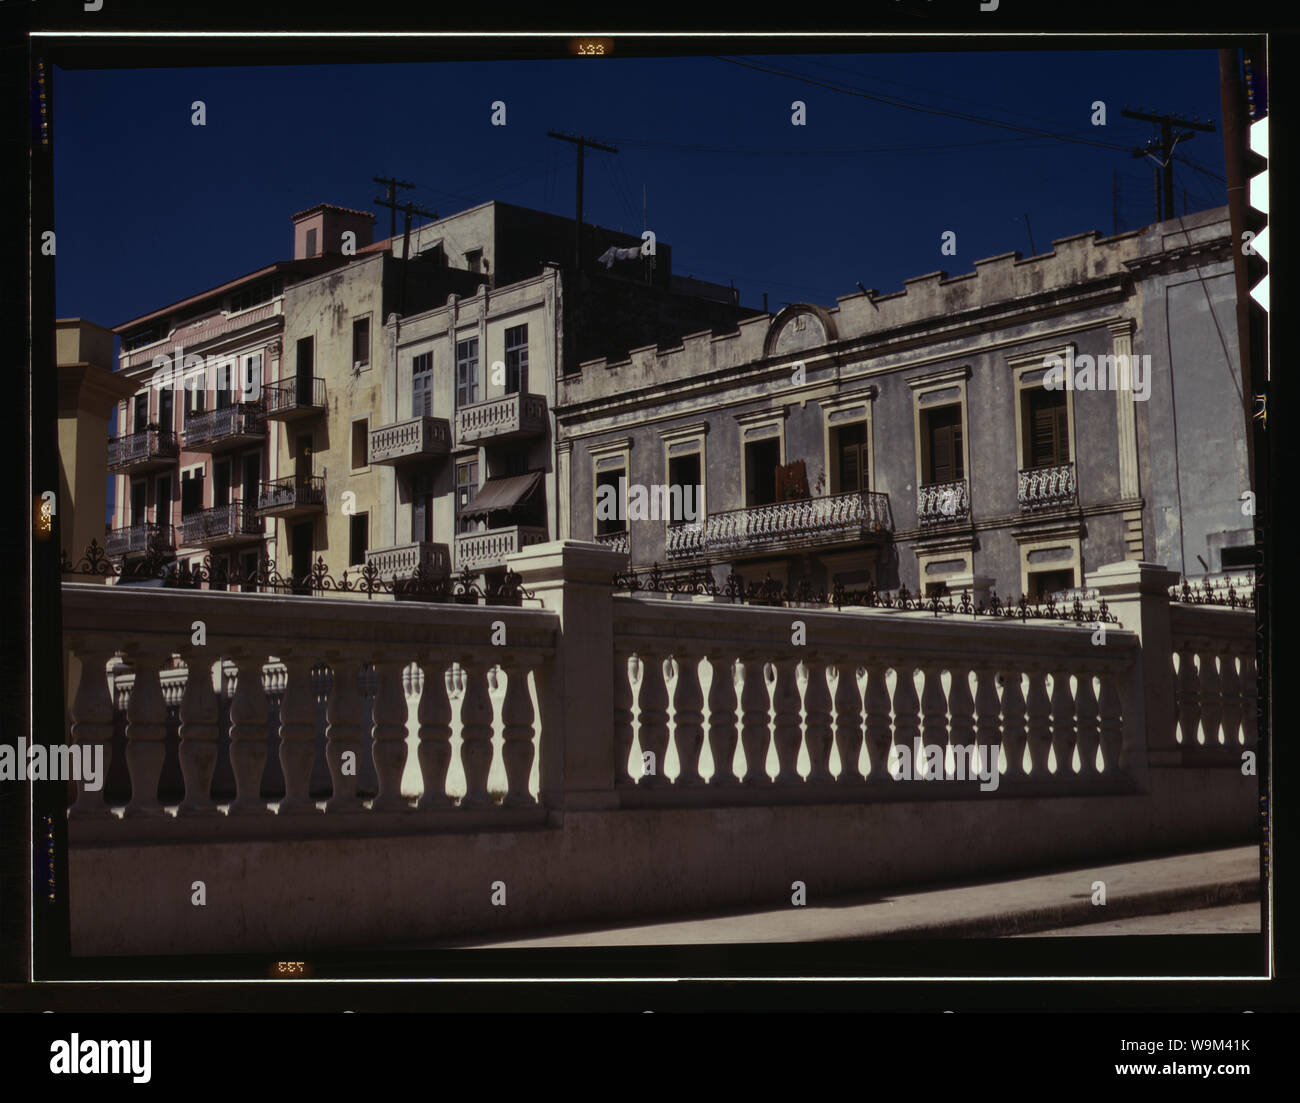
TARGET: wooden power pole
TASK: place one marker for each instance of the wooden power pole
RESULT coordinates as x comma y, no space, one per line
391,200
581,143
1165,148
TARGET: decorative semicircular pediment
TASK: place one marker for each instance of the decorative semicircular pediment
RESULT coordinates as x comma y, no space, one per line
797,327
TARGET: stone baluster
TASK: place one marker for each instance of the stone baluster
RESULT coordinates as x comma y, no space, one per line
248,719
1249,696
1089,731
146,726
987,734
722,718
653,705
880,732
297,735
907,721
1112,722
1039,709
435,737
1188,696
622,718
961,731
1063,735
688,718
198,734
817,719
92,726
848,720
388,734
1211,701
1015,733
755,720
476,733
934,723
343,733
786,730
1230,685
517,716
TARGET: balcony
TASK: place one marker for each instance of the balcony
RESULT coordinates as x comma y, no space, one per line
294,496
139,539
147,450
221,526
417,438
1047,487
942,503
615,541
482,551
402,561
293,399
230,427
806,523
501,419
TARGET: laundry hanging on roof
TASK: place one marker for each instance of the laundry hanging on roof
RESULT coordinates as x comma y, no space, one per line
613,253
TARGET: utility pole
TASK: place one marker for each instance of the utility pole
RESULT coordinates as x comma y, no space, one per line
581,143
1114,203
391,201
410,209
1165,147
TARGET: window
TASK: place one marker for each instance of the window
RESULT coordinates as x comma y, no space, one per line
360,440
762,458
1046,427
191,491
195,395
1044,583
610,478
251,383
226,383
941,445
251,475
361,342
248,571
684,472
162,499
166,418
467,372
517,360
849,455
140,416
311,243
474,260
435,254
139,492
466,489
263,291
422,385
221,483
358,539
422,506
305,358
1235,558
141,337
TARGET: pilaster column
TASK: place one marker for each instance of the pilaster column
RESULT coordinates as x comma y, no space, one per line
198,734
688,717
1121,332
517,731
146,725
722,717
817,719
297,735
248,720
388,732
92,724
435,736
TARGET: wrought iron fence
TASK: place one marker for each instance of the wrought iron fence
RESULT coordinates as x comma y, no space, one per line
1220,592
264,578
774,592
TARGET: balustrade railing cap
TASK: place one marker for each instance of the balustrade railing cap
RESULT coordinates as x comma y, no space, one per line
1131,575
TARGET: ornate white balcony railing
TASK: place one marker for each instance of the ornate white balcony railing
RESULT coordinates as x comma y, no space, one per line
1045,487
801,523
402,560
413,439
942,503
615,541
484,550
240,422
513,415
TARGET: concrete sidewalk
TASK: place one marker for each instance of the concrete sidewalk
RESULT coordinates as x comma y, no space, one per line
1173,888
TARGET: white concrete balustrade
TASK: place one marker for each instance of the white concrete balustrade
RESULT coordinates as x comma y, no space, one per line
1214,663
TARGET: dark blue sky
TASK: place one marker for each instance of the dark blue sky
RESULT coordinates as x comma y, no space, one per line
150,209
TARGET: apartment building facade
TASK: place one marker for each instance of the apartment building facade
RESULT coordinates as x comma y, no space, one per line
975,432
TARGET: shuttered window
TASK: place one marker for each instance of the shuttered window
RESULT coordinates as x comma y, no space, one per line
1047,428
422,385
943,434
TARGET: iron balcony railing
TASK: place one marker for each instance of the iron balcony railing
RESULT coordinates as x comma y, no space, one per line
146,446
943,503
285,398
226,522
292,493
805,522
1046,487
140,539
416,438
512,415
615,541
233,424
